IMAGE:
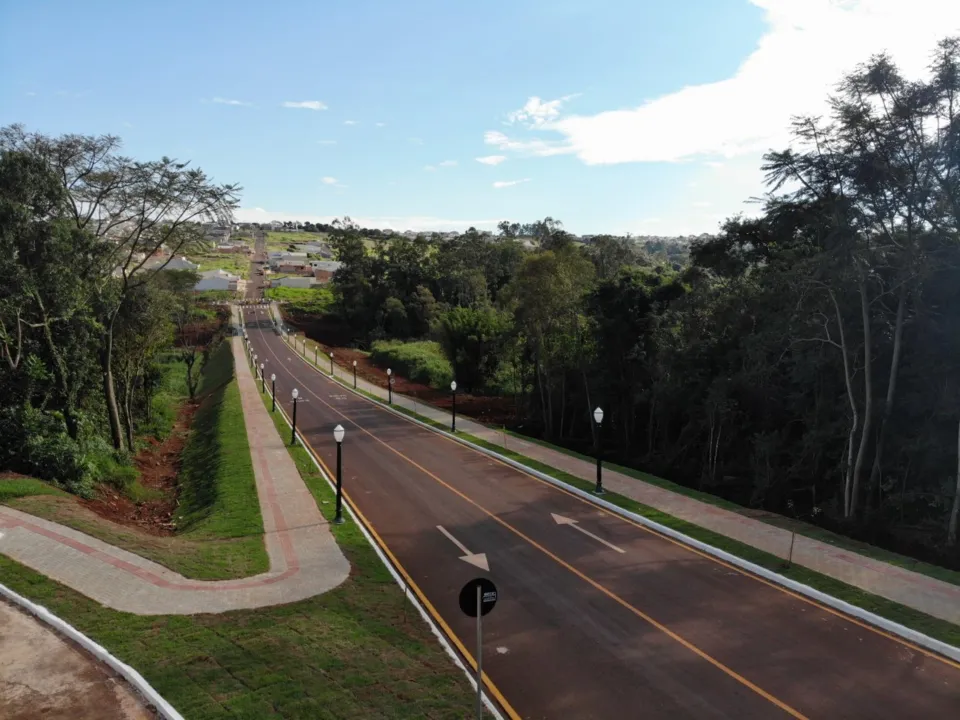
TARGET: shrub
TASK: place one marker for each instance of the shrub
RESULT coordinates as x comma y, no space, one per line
421,361
473,340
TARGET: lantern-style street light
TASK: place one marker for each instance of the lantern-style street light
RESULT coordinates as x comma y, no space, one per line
293,426
453,394
598,418
338,433
273,392
354,374
390,386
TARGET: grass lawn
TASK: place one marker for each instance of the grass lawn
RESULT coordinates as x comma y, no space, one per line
236,263
422,361
220,527
280,240
315,301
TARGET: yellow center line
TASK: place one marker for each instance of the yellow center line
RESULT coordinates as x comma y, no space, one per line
746,573
609,593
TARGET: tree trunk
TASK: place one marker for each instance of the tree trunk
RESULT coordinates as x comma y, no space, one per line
867,394
875,471
855,416
955,510
109,389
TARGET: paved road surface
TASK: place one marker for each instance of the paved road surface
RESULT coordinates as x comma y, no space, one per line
257,263
44,676
601,619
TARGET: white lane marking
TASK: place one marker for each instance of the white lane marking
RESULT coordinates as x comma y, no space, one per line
561,520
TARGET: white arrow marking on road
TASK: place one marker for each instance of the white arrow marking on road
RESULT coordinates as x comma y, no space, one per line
476,559
561,520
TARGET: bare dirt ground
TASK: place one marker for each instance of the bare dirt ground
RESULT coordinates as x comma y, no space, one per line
43,675
159,465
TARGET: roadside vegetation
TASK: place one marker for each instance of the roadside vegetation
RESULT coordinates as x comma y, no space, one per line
216,532
734,364
303,301
422,361
234,263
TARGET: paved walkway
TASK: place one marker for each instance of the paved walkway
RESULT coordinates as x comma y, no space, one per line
43,675
912,589
304,558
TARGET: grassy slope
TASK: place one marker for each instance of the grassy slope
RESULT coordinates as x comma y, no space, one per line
222,529
236,263
422,361
359,651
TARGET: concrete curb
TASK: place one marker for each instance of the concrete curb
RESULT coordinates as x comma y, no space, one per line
918,638
411,596
136,680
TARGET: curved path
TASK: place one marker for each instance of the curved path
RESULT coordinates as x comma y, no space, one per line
304,558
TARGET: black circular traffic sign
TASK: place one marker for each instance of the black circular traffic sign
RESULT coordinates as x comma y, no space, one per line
468,597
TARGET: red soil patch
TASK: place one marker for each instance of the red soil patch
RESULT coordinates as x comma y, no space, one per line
159,466
491,410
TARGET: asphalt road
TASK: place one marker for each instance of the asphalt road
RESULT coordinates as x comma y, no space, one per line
604,618
257,262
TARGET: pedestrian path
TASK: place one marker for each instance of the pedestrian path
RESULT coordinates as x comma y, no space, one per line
304,558
923,593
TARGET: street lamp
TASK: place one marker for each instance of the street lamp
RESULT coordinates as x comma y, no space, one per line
390,386
354,374
331,364
453,393
263,380
293,427
273,391
338,433
315,349
598,418
255,362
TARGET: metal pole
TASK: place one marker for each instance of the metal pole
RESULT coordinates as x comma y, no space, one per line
263,381
390,391
599,489
453,422
273,392
354,377
315,356
293,427
339,517
331,364
479,658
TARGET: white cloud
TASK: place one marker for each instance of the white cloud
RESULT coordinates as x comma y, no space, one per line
509,183
381,124
448,163
526,147
425,223
536,112
30,93
491,159
305,104
326,142
332,182
351,122
228,101
789,73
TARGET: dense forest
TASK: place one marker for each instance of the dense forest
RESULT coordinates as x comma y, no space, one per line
803,360
90,324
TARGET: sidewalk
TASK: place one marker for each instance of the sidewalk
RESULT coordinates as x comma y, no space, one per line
304,558
923,593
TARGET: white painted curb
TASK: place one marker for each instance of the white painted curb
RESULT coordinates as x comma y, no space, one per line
889,626
165,709
411,596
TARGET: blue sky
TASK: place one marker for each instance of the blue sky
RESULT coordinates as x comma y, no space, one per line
611,115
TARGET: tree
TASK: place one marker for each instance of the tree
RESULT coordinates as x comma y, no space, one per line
136,208
473,340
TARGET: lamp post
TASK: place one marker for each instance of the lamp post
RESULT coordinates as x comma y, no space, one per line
273,392
255,362
390,386
331,364
453,393
263,380
315,349
338,433
354,374
598,418
293,426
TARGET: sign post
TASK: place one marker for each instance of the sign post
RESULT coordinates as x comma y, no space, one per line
477,598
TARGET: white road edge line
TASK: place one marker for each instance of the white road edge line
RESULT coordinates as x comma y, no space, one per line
894,628
136,680
412,597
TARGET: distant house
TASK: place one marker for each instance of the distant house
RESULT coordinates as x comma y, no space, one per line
177,263
278,259
293,282
234,247
321,249
220,280
299,267
323,270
